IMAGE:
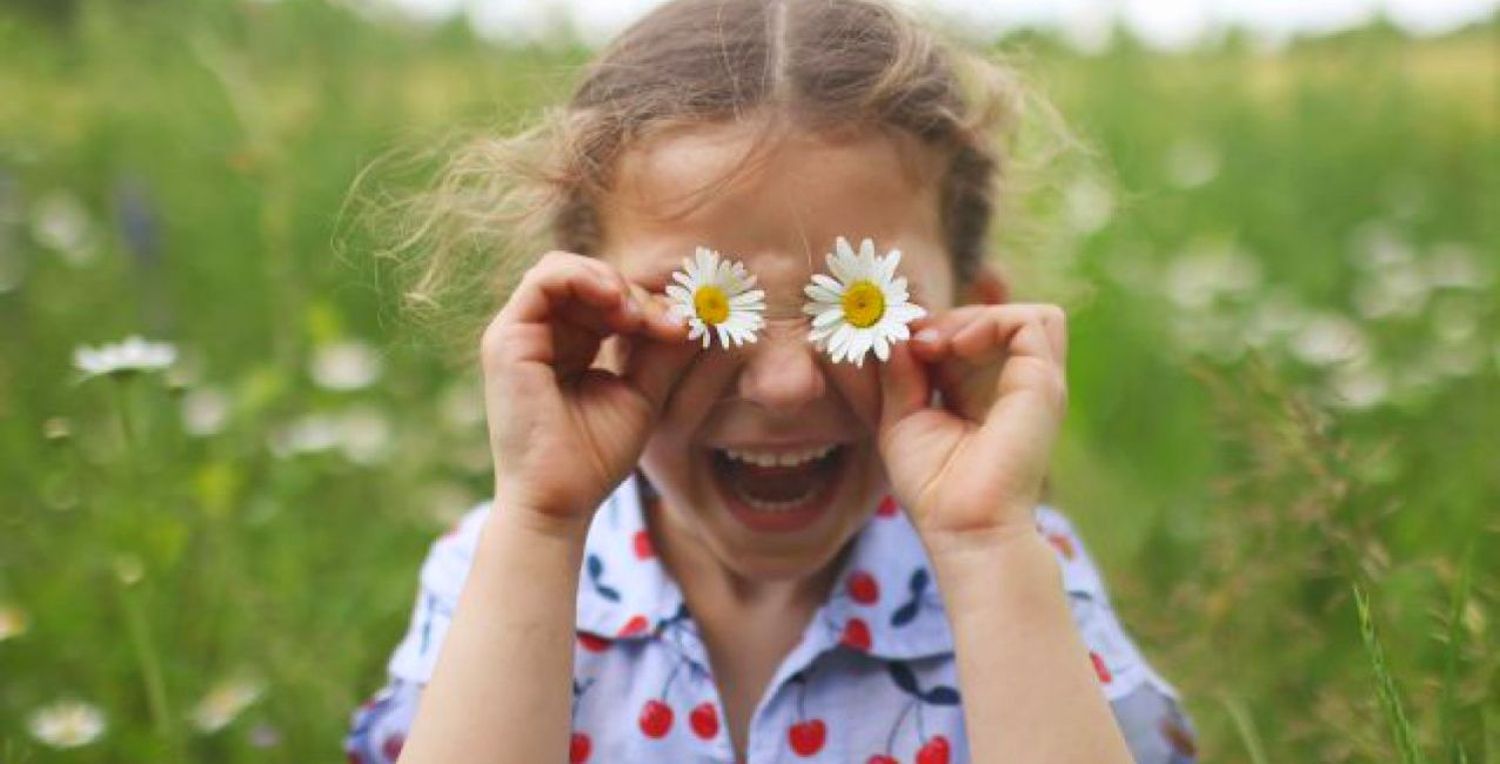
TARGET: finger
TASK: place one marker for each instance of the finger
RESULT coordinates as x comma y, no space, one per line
1015,330
573,288
1056,323
655,367
904,386
659,321
932,334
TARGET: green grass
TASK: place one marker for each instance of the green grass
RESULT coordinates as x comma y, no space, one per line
179,170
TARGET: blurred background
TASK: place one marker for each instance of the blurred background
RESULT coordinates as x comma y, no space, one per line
1280,260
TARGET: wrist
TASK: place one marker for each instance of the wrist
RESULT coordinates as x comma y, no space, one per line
975,570
537,523
526,513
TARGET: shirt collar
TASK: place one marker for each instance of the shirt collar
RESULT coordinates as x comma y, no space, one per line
884,601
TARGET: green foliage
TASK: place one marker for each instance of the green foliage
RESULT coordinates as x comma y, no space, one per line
1281,274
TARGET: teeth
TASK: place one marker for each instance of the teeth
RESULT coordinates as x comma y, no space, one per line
784,459
775,506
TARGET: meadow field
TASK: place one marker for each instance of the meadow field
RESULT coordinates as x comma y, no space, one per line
1283,446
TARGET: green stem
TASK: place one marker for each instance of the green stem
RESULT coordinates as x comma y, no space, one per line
149,661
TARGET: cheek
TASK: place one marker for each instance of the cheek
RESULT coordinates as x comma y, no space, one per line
694,399
860,389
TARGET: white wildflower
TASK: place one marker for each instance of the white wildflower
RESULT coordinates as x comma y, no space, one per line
225,702
348,365
132,355
67,724
205,410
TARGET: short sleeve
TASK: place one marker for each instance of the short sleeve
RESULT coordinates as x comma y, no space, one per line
442,581
378,728
1146,706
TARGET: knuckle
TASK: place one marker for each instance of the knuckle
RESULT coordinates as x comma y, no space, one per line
1047,314
494,342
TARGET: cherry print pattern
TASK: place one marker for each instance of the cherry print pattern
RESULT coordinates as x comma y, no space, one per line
704,720
807,737
1100,669
1062,544
595,566
656,719
636,625
592,642
579,748
656,715
862,588
1177,736
934,751
391,748
641,544
887,586
917,585
856,634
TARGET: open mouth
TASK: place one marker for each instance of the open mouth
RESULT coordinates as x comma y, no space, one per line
781,489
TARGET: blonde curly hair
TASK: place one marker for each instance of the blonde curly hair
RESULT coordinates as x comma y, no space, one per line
500,201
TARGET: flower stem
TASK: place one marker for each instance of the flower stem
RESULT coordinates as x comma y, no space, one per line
149,662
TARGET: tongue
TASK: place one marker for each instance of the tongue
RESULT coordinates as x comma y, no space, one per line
774,484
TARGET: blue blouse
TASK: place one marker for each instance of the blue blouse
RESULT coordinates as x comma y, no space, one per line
873,679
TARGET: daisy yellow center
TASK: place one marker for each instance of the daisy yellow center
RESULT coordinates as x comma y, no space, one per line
864,304
711,304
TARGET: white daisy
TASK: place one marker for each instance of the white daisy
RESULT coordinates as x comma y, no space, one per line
715,293
864,306
224,702
132,355
67,724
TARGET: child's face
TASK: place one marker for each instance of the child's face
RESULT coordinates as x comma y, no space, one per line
779,397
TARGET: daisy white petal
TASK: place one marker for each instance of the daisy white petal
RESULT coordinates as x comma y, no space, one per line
715,297
862,307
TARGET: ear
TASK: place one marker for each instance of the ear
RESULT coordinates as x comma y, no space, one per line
987,287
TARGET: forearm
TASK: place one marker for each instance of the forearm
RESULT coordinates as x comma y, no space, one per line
1029,693
501,690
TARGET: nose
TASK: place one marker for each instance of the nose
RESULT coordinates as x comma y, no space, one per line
781,370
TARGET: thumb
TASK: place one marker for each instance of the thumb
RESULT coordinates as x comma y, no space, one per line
904,386
655,366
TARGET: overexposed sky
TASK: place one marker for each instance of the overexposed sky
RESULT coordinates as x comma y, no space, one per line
1162,23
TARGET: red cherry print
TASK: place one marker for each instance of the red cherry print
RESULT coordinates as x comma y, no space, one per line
935,751
656,719
807,737
881,758
1063,544
592,642
704,720
856,634
641,541
888,507
635,625
579,748
862,588
1101,669
1179,738
391,748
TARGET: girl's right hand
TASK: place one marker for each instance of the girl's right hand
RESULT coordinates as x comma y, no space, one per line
566,426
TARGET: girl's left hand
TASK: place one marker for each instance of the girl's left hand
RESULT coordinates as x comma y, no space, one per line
973,468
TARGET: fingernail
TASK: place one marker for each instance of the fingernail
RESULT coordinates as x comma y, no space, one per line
927,336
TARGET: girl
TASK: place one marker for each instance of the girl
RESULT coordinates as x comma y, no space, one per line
756,553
